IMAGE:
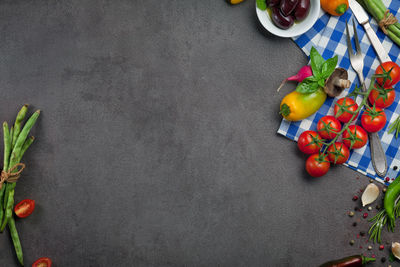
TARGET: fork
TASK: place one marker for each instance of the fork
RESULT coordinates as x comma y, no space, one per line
378,156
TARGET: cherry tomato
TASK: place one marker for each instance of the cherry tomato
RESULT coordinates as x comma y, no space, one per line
342,108
24,208
355,137
373,119
338,153
382,98
309,142
317,165
331,123
42,262
394,73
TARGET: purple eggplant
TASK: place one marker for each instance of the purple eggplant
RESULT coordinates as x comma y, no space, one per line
287,6
302,9
281,21
272,3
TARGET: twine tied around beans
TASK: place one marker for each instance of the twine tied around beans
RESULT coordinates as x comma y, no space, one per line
387,20
10,176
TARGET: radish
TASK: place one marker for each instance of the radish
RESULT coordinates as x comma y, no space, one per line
303,73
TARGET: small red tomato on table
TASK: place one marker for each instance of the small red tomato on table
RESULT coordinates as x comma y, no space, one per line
309,142
394,70
338,153
317,165
24,208
382,97
42,262
373,119
355,137
344,109
328,127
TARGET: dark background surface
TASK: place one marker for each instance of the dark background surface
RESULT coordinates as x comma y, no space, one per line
157,142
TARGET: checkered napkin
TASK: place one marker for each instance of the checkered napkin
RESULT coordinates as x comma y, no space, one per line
329,38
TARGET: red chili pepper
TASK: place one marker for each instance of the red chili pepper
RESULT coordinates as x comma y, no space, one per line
351,261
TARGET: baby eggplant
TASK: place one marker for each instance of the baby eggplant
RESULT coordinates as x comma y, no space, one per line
272,3
302,9
287,6
281,21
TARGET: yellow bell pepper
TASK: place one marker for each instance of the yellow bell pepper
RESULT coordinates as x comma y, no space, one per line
296,106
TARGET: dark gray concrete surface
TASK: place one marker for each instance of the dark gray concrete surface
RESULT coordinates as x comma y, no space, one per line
157,142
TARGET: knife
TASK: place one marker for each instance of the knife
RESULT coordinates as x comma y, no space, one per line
377,154
363,19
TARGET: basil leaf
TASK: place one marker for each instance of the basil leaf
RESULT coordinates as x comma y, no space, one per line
316,62
321,82
328,67
307,86
261,4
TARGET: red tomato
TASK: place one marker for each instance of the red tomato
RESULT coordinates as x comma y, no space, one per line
355,137
328,123
338,153
373,119
342,108
24,208
394,73
382,98
309,142
42,262
317,165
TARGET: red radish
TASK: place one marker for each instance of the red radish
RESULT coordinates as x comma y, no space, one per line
303,73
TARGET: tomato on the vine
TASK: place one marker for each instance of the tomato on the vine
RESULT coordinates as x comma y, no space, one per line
373,119
381,97
394,73
344,109
328,127
309,142
317,165
355,137
338,153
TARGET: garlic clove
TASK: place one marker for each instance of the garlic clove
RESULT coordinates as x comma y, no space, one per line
371,193
396,249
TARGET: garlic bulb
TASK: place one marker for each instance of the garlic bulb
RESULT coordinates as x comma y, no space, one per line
371,193
396,249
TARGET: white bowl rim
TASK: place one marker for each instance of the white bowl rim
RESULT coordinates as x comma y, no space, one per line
297,29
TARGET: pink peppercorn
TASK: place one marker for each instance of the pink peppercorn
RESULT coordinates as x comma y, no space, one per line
365,215
387,179
355,198
381,247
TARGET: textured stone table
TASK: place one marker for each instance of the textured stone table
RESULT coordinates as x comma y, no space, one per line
157,142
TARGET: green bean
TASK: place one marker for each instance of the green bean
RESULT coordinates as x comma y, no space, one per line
17,125
2,190
25,146
16,241
22,137
7,191
7,146
9,208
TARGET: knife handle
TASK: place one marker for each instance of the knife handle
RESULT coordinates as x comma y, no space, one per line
378,156
380,51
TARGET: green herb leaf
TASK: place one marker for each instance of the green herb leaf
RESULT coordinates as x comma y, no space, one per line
307,86
328,67
321,82
262,4
316,62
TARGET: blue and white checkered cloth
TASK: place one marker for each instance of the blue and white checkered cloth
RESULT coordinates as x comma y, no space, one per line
329,38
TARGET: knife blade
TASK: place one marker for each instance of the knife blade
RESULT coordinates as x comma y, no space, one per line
363,19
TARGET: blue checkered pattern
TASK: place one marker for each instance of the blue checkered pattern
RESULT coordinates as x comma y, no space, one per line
328,37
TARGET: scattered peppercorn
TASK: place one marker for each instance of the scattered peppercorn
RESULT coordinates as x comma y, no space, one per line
369,208
384,190
371,181
387,179
383,259
365,215
355,198
354,224
362,233
351,213
352,242
395,168
369,247
378,207
381,247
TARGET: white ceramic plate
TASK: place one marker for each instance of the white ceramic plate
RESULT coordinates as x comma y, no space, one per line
297,28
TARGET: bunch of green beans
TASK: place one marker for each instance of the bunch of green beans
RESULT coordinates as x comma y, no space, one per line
377,9
16,142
